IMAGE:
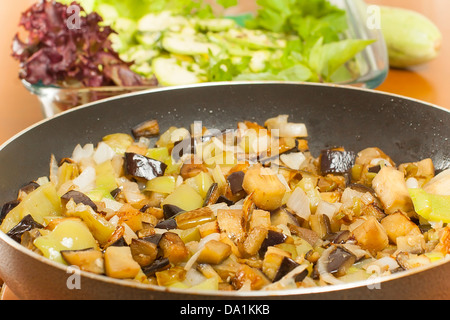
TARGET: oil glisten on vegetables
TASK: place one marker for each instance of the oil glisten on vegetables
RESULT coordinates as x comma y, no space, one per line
243,209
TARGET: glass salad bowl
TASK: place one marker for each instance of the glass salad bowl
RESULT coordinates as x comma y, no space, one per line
371,64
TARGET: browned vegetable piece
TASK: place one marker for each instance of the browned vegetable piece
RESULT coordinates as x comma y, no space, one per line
146,129
191,168
272,261
157,265
78,197
286,266
339,237
170,276
371,236
143,252
307,234
173,248
28,238
208,228
254,240
235,181
212,195
260,218
142,167
7,207
214,252
266,188
339,261
26,224
273,238
391,189
283,216
131,216
193,218
89,260
399,225
248,275
171,210
231,222
119,263
365,157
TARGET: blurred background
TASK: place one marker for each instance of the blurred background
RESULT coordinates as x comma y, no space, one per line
19,109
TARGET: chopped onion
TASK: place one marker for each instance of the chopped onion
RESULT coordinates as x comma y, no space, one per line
327,208
80,153
103,153
298,202
86,180
112,204
131,191
285,128
293,160
193,277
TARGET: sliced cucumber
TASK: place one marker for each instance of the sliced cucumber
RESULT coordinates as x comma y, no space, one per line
255,39
215,25
188,45
160,22
170,73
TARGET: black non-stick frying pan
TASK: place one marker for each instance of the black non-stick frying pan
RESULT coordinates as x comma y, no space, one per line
405,129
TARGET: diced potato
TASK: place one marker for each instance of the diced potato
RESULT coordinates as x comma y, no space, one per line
173,248
90,260
214,252
391,189
371,235
399,225
411,243
119,263
248,275
254,240
231,221
266,188
260,218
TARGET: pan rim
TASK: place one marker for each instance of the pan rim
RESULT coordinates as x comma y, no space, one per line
235,294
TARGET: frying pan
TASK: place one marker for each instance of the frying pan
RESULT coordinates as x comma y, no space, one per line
406,129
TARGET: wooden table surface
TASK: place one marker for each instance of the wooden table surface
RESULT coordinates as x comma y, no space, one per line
20,109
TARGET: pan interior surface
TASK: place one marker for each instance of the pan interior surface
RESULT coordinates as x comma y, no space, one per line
355,119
